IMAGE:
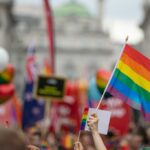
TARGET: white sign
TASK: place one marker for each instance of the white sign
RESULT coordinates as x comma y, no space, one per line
104,119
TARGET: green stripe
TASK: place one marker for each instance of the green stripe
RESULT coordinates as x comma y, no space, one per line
84,119
131,85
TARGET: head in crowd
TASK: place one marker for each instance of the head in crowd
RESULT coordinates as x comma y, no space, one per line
11,139
33,136
137,138
86,140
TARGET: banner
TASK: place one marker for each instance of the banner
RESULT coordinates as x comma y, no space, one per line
65,114
120,114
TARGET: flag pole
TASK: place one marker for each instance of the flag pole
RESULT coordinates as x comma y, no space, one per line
50,32
79,136
126,40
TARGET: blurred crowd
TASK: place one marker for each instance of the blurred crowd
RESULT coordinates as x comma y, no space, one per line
37,138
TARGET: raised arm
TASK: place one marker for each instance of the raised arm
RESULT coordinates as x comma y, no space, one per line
78,146
93,126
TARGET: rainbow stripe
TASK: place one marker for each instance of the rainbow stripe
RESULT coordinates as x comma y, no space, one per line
84,118
102,77
131,80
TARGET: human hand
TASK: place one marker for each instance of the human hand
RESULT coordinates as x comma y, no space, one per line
93,122
31,147
78,146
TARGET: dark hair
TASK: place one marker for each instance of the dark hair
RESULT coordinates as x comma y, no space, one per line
142,132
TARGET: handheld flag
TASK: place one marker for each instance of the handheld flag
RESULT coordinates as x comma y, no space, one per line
33,109
84,118
131,80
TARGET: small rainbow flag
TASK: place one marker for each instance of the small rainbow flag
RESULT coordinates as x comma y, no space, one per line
84,118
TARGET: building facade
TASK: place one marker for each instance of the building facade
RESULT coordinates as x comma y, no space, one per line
81,45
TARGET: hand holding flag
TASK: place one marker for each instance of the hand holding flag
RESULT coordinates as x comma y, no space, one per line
130,82
93,122
89,114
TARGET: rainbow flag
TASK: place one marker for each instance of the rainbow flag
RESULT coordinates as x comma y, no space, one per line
131,80
84,118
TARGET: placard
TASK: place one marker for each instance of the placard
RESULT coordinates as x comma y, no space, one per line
103,116
50,87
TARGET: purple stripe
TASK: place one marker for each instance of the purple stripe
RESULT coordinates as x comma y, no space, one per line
113,91
83,124
146,115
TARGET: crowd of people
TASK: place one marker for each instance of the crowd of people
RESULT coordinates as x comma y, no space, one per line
34,138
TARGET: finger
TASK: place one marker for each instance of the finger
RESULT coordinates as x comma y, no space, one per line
76,145
94,115
92,120
91,117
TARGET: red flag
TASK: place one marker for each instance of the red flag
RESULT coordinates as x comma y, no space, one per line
65,114
50,31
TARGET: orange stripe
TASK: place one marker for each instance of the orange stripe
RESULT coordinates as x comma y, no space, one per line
138,68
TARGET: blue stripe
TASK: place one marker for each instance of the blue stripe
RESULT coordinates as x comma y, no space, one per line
83,124
145,107
130,94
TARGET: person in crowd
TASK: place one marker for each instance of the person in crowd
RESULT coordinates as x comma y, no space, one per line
86,140
10,139
33,136
138,139
93,126
148,134
112,139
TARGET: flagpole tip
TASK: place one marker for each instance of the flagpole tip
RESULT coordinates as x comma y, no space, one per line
126,40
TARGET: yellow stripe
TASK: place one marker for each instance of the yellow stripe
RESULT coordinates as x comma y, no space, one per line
139,80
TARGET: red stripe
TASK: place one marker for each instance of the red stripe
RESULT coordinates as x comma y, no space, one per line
137,56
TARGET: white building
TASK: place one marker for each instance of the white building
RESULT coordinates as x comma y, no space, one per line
81,45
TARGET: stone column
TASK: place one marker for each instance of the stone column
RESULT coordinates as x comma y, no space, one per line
100,5
6,23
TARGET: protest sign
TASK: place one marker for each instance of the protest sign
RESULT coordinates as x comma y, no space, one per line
50,87
103,116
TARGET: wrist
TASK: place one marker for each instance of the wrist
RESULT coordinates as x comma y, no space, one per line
94,131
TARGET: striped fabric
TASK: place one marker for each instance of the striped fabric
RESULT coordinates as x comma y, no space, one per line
84,118
102,77
131,80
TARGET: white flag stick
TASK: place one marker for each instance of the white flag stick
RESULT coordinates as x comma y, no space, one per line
126,40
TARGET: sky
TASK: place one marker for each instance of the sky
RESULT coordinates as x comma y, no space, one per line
120,16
